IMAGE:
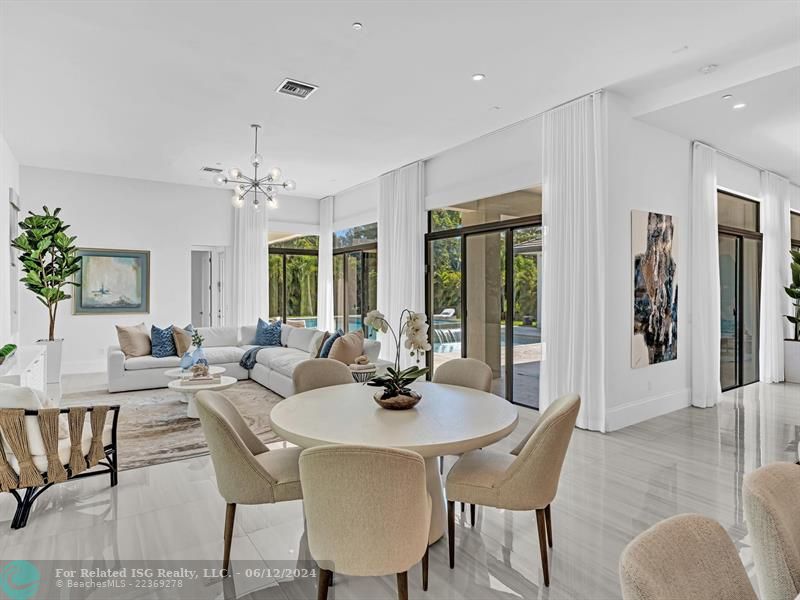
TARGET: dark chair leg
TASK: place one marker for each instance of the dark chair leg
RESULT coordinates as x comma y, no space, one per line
25,508
540,524
324,582
462,508
472,514
18,512
441,465
112,460
549,525
425,570
451,531
230,515
402,586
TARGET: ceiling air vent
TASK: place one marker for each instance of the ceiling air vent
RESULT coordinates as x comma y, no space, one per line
298,89
211,169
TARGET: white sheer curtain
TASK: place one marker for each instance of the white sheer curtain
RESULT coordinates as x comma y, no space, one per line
774,275
573,273
401,249
705,290
250,265
325,320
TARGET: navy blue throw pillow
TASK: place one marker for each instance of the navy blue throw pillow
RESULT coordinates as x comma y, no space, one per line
326,348
163,342
268,334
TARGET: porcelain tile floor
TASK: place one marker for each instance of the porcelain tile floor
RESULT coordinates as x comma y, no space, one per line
613,486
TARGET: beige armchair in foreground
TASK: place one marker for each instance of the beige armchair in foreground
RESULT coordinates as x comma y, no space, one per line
320,372
247,471
687,556
527,481
772,512
367,511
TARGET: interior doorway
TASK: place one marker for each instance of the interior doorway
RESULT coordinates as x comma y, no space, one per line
207,297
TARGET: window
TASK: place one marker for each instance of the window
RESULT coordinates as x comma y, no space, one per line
795,228
355,277
505,207
735,211
293,266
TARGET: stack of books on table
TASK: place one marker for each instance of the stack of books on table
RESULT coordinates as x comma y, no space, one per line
202,380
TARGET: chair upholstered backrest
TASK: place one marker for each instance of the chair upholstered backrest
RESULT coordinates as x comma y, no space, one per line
466,372
367,509
319,373
233,447
772,512
531,481
687,556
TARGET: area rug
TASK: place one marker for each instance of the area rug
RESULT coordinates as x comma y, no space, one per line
153,427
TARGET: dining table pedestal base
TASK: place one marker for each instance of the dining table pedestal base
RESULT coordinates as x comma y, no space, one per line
438,509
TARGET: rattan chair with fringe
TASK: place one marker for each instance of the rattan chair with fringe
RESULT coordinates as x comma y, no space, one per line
39,448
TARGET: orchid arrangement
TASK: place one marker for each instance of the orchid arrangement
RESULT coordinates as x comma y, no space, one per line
414,326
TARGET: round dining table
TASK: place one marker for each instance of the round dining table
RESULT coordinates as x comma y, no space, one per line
449,420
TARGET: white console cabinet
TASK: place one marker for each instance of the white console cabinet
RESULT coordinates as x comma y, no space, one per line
27,367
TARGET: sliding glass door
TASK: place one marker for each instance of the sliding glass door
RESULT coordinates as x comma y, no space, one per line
355,288
740,290
483,302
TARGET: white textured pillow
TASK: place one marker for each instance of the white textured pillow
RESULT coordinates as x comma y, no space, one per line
316,342
14,396
299,337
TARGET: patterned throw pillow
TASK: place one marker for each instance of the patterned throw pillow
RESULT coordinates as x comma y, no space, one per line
163,342
326,348
268,334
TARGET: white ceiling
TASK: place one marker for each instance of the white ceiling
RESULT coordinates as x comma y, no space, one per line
766,132
155,90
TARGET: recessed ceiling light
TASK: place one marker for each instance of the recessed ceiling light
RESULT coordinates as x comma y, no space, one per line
739,106
708,69
358,26
681,49
727,96
478,77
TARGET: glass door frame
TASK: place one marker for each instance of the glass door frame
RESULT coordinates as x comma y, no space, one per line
363,293
284,253
740,235
508,227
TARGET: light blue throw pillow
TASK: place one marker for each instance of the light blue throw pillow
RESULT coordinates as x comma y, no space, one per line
268,334
162,342
326,348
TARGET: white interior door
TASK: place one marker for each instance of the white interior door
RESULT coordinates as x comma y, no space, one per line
201,288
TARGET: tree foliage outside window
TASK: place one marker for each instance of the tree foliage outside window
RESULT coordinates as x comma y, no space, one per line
296,297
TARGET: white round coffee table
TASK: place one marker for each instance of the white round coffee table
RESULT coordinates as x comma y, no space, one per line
448,420
190,390
181,372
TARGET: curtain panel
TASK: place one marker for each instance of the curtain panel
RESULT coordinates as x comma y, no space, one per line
705,288
250,265
401,249
325,321
775,271
573,273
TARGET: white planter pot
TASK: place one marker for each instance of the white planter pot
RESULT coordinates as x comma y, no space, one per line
791,361
53,359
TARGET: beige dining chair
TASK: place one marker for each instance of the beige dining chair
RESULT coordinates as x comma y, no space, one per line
526,481
318,373
368,512
772,511
686,556
247,471
466,372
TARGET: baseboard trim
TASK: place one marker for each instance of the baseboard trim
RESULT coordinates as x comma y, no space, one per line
637,411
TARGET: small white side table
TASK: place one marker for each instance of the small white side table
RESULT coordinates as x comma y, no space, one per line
189,392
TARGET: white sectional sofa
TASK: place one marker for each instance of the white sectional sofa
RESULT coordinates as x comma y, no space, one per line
224,347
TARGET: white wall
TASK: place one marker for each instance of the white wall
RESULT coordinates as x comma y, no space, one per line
295,214
9,178
357,205
114,212
503,161
648,170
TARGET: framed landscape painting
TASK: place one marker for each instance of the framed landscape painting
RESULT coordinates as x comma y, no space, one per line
112,282
655,289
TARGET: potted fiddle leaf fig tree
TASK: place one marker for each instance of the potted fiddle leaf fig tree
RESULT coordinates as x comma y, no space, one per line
49,259
791,347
